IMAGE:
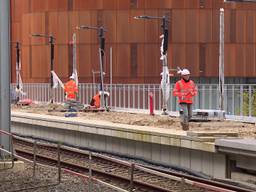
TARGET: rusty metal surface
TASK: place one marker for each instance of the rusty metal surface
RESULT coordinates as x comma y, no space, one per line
193,23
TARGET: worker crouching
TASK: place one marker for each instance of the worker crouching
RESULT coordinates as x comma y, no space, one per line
185,89
95,101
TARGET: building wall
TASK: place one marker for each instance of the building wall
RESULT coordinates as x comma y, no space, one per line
193,41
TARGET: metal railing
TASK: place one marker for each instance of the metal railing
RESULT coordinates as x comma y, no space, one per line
239,99
11,153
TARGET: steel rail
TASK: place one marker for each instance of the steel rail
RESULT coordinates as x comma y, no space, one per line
192,180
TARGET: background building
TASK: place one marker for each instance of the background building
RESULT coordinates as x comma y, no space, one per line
193,41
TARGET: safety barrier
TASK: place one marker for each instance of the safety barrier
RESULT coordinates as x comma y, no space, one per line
11,149
239,99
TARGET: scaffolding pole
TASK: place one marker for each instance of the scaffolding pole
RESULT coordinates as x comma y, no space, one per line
5,72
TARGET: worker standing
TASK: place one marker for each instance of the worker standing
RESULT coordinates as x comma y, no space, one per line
185,89
71,91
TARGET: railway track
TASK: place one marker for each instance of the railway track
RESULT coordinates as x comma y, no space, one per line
132,177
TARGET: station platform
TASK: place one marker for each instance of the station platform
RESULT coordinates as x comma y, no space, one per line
242,151
193,150
244,146
178,138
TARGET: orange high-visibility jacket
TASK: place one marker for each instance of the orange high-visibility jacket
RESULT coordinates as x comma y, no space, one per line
70,89
185,91
96,99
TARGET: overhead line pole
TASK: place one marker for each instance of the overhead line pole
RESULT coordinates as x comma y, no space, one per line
51,42
100,31
5,72
165,81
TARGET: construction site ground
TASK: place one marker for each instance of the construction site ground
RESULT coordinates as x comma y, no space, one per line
245,130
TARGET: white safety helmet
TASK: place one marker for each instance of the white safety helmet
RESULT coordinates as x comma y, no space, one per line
104,92
72,76
185,72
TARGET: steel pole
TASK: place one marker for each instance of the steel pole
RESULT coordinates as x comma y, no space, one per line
18,69
221,61
51,41
5,71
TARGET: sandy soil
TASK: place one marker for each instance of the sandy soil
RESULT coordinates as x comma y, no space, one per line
243,129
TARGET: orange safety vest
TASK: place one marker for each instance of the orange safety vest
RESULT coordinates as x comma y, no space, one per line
96,99
70,89
185,91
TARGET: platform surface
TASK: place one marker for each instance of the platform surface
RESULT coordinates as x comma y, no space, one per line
147,134
241,144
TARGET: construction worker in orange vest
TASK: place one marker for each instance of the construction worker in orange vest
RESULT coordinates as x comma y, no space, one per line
95,102
70,89
185,89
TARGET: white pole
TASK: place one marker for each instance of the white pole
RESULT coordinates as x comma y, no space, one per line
221,61
102,100
111,72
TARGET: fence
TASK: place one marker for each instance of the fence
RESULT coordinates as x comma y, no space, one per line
239,99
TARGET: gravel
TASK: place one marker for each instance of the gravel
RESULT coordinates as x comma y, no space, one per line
11,180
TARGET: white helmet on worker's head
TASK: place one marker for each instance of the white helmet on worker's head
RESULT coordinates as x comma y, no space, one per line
185,72
104,92
72,76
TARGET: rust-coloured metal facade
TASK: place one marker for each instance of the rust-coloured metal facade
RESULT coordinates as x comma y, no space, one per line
193,42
